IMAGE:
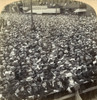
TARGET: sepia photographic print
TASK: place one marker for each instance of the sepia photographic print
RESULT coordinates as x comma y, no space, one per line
48,50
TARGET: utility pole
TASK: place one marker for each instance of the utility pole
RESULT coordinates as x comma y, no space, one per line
56,6
32,23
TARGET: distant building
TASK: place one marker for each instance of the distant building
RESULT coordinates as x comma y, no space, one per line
15,7
58,6
44,10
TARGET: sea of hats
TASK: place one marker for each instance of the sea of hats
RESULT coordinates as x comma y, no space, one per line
60,53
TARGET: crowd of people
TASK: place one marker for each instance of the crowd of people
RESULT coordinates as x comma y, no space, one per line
60,53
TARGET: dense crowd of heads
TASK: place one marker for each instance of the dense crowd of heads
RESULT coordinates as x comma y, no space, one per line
60,53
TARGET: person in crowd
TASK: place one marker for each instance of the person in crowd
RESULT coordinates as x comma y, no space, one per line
58,54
